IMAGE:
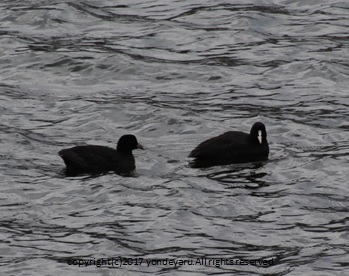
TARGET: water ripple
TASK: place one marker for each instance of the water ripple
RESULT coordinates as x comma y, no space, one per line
174,73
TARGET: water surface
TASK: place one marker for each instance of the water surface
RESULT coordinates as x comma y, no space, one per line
175,73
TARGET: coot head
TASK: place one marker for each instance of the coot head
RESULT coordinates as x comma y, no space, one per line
258,133
128,143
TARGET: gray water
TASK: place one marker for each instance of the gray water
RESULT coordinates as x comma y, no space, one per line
175,73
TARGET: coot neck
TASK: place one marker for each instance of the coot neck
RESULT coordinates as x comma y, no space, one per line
123,150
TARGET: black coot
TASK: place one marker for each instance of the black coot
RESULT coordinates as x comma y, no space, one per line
232,147
98,159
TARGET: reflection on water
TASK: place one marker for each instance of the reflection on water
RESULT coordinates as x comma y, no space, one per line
174,74
247,177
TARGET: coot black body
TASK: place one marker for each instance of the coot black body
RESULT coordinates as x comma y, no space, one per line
232,147
93,159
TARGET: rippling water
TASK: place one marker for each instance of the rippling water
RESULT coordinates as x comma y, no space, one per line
175,73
